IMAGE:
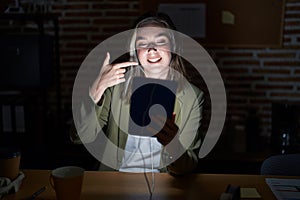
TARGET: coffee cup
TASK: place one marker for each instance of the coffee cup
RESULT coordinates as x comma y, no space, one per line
9,163
67,182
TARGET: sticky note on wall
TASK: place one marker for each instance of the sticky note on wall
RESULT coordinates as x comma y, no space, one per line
228,17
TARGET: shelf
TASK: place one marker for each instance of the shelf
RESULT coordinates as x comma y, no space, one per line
41,115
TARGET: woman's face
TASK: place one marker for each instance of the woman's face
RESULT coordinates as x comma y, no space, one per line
153,51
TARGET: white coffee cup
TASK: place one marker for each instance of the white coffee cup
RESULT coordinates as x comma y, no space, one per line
67,182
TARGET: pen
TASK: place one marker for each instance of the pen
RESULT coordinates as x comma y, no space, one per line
38,192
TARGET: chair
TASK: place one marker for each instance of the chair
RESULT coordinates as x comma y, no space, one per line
285,164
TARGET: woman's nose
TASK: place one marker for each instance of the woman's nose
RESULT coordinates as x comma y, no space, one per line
152,48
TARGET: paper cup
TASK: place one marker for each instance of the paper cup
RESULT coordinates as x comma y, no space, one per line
9,163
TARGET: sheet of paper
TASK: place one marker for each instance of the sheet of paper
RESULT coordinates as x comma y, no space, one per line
7,125
20,119
284,189
189,18
249,193
228,17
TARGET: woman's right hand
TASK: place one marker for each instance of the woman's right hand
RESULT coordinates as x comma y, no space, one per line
110,75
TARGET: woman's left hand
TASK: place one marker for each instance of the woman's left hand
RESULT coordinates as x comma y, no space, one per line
168,131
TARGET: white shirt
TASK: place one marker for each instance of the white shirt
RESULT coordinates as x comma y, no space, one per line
142,154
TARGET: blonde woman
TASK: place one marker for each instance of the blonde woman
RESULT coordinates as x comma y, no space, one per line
153,55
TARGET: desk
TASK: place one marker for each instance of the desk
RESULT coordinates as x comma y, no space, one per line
118,185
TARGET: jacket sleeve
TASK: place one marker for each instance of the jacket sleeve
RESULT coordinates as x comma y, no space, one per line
188,161
90,118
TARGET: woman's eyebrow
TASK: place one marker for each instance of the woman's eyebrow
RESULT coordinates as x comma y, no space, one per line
140,38
156,36
161,34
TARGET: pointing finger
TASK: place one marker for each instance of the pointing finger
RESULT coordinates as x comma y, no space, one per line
107,58
125,64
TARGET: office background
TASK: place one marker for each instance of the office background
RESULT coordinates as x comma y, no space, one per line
262,84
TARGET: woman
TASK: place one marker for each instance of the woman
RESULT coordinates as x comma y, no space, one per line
152,55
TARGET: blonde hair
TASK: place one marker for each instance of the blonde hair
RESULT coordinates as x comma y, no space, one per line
176,63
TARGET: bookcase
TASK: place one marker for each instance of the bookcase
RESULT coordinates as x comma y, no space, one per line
30,99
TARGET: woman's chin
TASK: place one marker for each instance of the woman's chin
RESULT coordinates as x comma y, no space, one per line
156,70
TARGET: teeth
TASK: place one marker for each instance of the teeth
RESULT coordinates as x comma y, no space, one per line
153,60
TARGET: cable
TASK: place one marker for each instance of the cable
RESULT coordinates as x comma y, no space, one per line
152,166
150,188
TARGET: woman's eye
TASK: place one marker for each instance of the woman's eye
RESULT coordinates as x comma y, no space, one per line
142,45
160,43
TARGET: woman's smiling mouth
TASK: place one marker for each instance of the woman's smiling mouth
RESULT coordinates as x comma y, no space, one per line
154,60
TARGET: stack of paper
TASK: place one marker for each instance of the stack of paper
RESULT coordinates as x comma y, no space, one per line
285,189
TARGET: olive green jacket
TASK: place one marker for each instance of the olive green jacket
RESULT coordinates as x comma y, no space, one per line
113,117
